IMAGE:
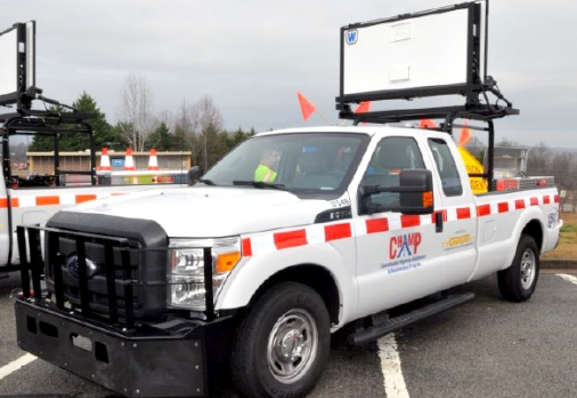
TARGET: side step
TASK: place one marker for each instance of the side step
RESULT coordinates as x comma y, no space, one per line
389,325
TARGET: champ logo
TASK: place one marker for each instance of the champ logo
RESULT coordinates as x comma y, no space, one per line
404,245
351,36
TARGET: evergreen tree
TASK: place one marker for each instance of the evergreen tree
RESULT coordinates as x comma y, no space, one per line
104,134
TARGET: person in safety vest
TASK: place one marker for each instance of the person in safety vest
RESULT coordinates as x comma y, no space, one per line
267,169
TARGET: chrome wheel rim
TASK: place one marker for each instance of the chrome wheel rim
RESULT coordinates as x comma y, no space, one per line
292,346
528,268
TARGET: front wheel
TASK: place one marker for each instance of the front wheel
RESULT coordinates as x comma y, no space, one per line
282,344
518,282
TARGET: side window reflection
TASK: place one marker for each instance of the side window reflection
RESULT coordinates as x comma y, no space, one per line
392,155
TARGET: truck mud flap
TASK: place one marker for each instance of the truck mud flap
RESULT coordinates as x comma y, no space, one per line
159,366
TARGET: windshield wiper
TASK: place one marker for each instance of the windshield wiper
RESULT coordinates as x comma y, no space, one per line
207,182
261,184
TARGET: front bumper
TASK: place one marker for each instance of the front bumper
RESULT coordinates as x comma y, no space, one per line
167,360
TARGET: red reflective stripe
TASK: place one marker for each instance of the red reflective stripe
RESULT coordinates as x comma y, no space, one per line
534,202
246,247
408,221
546,199
118,193
519,204
284,240
503,207
337,231
13,203
84,198
463,212
556,198
47,200
483,210
377,225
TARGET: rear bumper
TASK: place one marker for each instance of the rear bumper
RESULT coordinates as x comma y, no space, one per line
148,364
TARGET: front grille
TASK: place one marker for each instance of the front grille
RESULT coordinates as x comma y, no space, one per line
101,285
106,268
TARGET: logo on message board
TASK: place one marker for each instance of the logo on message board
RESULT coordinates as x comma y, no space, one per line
352,36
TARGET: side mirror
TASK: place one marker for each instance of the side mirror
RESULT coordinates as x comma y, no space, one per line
415,193
193,175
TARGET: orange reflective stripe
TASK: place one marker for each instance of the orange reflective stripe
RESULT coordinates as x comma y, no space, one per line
84,198
13,203
47,200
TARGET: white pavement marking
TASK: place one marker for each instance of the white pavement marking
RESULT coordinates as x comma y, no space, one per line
569,278
394,381
15,365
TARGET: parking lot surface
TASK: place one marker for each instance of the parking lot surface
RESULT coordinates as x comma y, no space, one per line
485,348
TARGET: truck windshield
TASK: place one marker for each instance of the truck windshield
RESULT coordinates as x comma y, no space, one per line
306,162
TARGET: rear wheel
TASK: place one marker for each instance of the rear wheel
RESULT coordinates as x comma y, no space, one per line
518,282
282,344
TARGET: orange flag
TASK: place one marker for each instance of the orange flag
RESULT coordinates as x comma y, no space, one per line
363,107
307,108
427,124
465,135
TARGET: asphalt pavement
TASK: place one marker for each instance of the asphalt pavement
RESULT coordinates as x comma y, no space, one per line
484,348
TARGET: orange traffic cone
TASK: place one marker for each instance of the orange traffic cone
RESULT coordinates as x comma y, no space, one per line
129,161
104,161
153,160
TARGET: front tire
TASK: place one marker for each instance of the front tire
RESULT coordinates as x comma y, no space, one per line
518,282
282,344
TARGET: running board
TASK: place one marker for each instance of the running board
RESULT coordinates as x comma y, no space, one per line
389,325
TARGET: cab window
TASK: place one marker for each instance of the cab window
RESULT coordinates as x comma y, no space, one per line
446,167
391,155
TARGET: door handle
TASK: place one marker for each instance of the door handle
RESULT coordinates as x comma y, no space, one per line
439,222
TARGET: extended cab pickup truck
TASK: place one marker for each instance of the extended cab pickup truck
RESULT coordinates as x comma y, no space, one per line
151,293
33,199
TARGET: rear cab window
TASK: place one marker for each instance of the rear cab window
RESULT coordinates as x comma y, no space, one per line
446,167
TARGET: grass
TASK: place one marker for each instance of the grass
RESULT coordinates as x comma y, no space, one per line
567,249
568,228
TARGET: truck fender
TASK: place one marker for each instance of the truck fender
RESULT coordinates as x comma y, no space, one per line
531,214
253,272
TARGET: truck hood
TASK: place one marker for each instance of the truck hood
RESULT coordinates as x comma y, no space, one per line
211,212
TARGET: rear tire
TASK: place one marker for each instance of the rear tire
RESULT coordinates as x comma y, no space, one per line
282,344
518,282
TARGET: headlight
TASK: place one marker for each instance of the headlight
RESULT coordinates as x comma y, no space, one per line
186,269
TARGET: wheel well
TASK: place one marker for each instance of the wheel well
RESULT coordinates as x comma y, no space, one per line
314,276
534,230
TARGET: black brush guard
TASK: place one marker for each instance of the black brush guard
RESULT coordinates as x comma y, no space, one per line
168,357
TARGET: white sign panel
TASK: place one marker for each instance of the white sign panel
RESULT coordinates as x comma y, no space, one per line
429,50
8,63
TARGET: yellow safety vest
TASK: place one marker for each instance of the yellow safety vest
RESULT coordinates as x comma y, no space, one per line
264,173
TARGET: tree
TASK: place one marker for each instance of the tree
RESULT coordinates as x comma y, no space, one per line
104,135
238,136
209,122
184,129
538,162
136,121
560,169
162,139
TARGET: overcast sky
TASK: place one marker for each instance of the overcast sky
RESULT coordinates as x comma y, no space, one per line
251,56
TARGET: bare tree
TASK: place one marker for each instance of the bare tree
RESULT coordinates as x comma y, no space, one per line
136,120
209,121
185,126
198,125
539,160
560,168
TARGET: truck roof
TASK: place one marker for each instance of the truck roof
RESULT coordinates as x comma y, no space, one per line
368,129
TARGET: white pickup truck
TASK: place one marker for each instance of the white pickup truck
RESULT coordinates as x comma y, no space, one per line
33,199
152,293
